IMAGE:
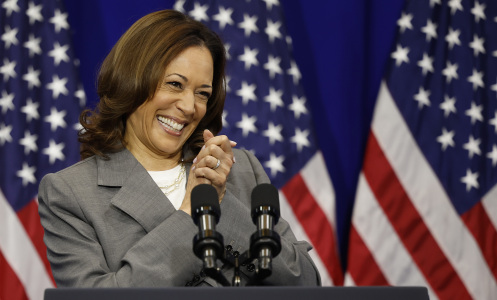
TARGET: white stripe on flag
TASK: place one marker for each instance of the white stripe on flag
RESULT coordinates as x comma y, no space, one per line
490,205
317,179
428,196
382,241
348,280
287,214
20,253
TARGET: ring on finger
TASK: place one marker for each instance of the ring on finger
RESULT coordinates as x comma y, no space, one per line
218,164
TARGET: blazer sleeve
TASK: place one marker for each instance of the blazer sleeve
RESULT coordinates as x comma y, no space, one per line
293,265
157,258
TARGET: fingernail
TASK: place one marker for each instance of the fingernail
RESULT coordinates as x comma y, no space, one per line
203,147
195,160
234,160
193,168
233,143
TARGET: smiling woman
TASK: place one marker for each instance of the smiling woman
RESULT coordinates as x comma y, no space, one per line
121,216
134,71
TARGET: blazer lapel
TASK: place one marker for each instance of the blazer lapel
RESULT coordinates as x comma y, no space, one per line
138,196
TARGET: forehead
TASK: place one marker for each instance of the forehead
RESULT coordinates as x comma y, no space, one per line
192,60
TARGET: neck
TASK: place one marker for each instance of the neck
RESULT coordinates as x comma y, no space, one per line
154,162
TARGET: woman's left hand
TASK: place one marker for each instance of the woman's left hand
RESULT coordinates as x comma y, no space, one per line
214,161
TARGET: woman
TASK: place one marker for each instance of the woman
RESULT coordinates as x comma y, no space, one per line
120,217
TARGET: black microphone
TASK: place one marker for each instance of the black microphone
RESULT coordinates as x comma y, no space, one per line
265,244
208,243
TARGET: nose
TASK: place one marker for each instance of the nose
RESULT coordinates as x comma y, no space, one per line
186,103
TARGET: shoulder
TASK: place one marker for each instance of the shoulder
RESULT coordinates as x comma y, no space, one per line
247,169
86,164
87,171
245,161
61,181
75,170
245,158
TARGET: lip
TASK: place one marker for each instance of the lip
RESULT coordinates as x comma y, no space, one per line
171,125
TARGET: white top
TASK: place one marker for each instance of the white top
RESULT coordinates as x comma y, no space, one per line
172,184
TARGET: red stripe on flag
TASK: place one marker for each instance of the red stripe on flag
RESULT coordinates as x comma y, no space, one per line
409,225
11,287
315,224
30,220
361,264
480,225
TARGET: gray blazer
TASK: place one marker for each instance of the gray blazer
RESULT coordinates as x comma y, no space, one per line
107,224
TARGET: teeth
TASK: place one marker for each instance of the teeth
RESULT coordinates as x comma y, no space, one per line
170,123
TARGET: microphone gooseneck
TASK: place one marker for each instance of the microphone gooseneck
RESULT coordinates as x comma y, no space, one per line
265,243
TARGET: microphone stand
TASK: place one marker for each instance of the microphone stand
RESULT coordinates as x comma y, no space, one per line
236,260
265,244
209,246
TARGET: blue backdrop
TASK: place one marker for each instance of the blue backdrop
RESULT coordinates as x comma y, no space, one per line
341,48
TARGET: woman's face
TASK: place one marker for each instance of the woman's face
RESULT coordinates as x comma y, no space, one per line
161,125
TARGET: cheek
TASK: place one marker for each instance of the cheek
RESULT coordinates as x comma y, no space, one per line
140,119
132,120
201,110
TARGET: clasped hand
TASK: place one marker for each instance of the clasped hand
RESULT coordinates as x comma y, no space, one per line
211,166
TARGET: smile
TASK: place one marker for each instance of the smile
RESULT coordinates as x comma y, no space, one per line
170,124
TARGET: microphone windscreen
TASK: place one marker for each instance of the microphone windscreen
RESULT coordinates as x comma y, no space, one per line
265,194
205,195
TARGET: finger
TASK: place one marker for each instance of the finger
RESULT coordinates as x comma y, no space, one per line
215,151
197,178
220,165
207,135
203,180
221,141
208,161
217,179
211,147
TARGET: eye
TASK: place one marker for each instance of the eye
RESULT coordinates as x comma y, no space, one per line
205,95
175,84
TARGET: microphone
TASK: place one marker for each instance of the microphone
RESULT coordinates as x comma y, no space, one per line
208,243
265,244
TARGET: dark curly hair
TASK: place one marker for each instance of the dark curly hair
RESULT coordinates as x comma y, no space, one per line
131,73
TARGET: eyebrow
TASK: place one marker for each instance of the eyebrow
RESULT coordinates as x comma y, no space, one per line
186,79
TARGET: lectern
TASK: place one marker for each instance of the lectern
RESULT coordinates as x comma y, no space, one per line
242,293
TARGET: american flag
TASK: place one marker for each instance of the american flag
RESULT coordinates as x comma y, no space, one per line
266,112
426,205
40,101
